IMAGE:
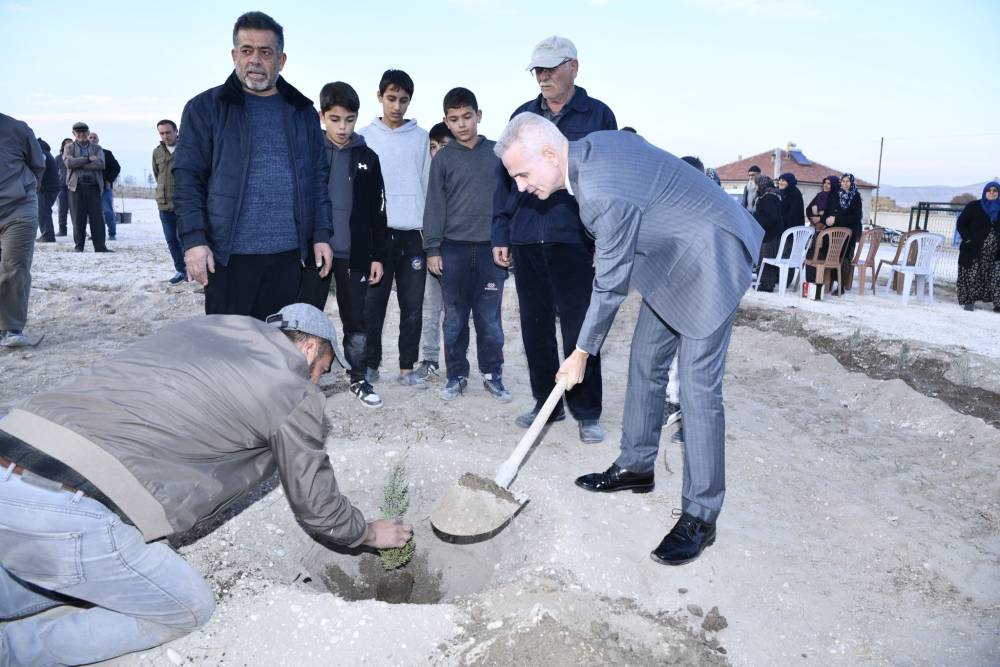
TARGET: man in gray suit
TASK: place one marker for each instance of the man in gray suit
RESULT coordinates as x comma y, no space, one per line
663,228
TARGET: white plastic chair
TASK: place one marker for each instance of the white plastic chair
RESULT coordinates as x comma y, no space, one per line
801,236
922,269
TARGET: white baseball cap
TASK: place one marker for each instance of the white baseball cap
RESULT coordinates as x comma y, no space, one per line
552,52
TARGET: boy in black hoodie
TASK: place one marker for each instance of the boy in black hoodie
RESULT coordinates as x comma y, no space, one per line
357,196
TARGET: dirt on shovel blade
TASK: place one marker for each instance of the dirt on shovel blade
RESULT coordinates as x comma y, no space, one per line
473,506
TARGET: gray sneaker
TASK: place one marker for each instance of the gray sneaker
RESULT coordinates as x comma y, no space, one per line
528,418
13,338
371,375
453,389
366,394
494,386
426,370
411,379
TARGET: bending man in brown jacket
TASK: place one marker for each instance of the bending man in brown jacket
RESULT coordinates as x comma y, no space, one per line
148,444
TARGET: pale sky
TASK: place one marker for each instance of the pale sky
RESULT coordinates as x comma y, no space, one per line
713,78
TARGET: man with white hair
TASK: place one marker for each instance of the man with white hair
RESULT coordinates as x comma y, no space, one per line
552,255
687,248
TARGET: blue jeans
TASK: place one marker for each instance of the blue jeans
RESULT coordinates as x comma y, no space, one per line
168,220
471,282
108,206
55,544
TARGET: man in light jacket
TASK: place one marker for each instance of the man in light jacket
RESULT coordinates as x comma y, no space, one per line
148,444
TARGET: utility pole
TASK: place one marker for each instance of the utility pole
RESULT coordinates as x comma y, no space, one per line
878,180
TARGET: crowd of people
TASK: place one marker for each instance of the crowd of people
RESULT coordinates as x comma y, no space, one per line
272,205
779,206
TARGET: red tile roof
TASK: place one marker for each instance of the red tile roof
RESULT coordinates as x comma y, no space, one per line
811,173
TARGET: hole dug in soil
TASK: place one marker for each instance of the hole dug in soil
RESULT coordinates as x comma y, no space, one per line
438,572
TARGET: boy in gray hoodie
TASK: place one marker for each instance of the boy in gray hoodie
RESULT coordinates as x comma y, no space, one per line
458,220
403,149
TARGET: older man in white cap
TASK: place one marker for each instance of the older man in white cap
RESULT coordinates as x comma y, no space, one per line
148,444
551,253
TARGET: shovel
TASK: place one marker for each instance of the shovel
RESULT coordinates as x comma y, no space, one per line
476,508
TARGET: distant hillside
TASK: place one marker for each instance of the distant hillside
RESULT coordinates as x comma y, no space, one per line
910,195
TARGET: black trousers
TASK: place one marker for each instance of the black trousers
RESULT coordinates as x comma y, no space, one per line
45,200
405,264
254,285
551,279
86,206
63,209
351,288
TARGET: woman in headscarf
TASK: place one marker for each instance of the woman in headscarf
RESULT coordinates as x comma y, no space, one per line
846,211
979,253
768,216
817,207
793,211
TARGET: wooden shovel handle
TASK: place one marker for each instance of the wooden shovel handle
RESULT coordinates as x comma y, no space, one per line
505,475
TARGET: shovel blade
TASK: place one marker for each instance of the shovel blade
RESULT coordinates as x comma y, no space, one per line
472,508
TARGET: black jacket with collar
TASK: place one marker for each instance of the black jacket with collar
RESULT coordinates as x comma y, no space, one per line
974,226
522,219
793,210
368,221
111,167
849,217
212,161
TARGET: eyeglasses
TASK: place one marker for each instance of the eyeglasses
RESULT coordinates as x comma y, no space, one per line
536,71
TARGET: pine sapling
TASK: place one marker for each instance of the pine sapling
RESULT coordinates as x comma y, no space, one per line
395,503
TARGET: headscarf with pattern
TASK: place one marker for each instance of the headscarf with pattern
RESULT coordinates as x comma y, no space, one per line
765,184
847,196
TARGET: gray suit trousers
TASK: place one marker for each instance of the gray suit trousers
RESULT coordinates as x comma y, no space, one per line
701,363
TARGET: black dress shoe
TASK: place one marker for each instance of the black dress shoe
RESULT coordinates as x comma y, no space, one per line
617,479
685,541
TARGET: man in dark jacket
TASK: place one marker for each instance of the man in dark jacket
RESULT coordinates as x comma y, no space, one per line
551,253
111,171
148,444
251,181
21,167
63,190
48,191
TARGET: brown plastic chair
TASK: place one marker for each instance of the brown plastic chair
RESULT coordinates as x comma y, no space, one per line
898,261
868,246
835,239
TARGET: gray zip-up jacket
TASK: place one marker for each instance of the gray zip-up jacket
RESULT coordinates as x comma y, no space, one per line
190,419
460,195
21,166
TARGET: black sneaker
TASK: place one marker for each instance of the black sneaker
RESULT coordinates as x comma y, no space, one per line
366,394
179,277
425,370
453,389
494,386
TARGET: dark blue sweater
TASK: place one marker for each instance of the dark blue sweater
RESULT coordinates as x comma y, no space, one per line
523,219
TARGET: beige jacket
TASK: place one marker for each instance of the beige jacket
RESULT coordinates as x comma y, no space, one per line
189,420
163,163
75,164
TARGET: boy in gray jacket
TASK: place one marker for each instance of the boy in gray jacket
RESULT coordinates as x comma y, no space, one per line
458,219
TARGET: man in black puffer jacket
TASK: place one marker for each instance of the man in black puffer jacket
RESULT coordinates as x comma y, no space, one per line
251,181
